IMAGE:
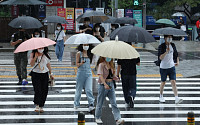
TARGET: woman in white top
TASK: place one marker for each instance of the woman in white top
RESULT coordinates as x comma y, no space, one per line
40,60
59,38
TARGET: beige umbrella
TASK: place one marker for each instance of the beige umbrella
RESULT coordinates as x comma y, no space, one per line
115,49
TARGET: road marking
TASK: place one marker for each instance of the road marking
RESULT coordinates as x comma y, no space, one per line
47,102
87,123
42,116
46,109
8,91
161,105
48,96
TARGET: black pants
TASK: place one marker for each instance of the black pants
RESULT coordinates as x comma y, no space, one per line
40,84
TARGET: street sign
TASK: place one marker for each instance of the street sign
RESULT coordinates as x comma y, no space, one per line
136,3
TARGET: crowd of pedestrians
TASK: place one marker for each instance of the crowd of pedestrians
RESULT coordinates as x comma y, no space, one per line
106,70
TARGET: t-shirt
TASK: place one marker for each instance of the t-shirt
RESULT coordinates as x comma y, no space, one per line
61,35
19,35
168,61
87,31
128,66
42,66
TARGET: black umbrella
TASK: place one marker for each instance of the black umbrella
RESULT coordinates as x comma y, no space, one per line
169,31
126,20
55,19
95,17
110,20
23,2
25,22
132,34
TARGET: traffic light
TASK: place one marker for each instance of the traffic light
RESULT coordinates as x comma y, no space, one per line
136,3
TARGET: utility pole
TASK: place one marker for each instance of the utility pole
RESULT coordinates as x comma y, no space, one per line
65,2
88,6
76,3
99,3
116,8
144,14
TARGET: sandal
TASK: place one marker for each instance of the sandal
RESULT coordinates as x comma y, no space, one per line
37,108
41,110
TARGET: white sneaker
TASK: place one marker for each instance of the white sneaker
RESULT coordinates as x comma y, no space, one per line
99,121
162,100
91,108
75,107
120,122
178,101
37,108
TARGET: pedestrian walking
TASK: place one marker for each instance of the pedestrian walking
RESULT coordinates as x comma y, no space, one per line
128,76
84,75
106,72
60,37
36,33
40,61
182,26
168,56
198,29
99,32
85,28
20,59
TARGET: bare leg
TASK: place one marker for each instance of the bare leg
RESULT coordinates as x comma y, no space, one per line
173,83
162,85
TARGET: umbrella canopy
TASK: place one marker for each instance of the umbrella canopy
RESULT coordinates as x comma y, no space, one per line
132,34
166,22
115,49
34,43
25,22
23,2
195,16
110,20
55,19
169,31
126,20
178,14
82,39
95,17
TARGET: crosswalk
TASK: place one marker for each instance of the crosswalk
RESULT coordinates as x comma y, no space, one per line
148,109
16,106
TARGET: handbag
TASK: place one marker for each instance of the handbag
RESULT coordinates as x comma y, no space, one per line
31,72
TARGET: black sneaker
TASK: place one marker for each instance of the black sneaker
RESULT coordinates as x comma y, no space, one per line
19,83
131,102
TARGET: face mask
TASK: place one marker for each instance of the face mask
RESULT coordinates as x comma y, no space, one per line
40,50
58,28
97,29
169,40
37,36
85,47
87,23
108,59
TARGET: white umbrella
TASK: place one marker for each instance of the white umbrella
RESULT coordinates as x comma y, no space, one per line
82,38
178,14
115,49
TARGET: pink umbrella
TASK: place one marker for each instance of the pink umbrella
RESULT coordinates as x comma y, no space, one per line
34,43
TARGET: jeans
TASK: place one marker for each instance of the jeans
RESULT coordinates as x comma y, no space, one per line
171,72
40,85
102,93
84,80
59,49
129,86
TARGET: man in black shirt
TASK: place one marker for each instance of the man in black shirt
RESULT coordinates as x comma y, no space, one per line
128,75
85,28
20,59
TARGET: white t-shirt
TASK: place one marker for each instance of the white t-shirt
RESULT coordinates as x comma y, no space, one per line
42,66
61,35
168,61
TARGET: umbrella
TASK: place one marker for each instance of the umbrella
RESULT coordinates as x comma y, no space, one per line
23,2
178,14
55,19
95,17
110,20
82,39
132,34
166,22
126,20
34,43
169,31
25,22
115,49
195,16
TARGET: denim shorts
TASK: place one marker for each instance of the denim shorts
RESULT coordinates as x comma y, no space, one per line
171,72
